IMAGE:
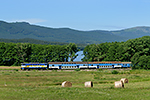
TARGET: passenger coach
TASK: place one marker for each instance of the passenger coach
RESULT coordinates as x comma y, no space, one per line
88,65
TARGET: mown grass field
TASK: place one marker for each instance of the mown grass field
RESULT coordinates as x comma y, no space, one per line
46,85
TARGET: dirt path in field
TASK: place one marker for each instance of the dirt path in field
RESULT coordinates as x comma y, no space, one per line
9,67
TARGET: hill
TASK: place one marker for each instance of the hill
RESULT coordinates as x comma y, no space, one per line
134,32
21,30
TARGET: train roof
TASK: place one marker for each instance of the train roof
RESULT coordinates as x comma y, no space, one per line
67,62
126,62
89,62
104,62
98,62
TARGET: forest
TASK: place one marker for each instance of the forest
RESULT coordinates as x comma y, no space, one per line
13,54
135,50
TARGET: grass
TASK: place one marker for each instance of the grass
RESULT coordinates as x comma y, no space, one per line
46,85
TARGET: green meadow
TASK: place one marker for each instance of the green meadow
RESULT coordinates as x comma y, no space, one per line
46,85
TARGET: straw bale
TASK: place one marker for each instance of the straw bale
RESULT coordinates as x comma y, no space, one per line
124,80
88,84
66,84
119,84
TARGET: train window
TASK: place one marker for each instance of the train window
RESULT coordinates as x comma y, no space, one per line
52,65
92,65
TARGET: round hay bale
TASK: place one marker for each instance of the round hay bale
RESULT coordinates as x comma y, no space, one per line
66,84
88,84
119,84
124,80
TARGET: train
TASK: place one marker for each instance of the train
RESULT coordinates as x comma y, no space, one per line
76,65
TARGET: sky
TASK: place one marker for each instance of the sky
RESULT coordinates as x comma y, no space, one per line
78,14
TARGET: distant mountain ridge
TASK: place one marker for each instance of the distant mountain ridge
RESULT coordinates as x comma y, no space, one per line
134,32
20,30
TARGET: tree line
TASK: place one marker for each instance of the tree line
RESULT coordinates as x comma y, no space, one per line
135,50
17,53
36,41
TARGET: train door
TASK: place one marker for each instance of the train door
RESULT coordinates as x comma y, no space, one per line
59,66
113,66
77,66
97,66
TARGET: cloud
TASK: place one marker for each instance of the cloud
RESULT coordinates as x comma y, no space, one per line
31,21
